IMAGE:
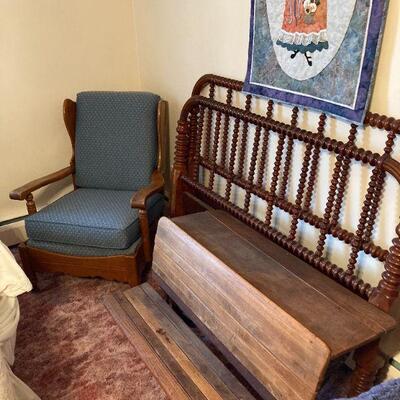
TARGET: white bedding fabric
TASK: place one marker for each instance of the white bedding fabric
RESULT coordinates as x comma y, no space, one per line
13,282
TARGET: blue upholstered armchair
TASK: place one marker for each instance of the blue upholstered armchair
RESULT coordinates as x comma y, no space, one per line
105,226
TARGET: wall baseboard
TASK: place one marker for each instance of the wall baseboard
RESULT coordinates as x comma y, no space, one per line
14,233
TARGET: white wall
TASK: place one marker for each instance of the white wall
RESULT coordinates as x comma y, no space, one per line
50,50
178,41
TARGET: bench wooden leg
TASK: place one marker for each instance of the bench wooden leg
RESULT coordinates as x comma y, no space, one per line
368,362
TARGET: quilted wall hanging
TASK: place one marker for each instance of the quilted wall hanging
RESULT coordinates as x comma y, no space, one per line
319,54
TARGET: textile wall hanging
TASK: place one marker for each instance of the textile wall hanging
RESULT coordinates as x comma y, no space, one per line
319,54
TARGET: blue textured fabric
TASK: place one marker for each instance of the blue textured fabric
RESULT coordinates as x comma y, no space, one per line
91,217
82,251
386,391
116,139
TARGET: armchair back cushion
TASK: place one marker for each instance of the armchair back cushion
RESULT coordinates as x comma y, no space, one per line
116,139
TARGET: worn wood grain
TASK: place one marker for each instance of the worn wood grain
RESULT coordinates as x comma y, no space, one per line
167,380
200,364
195,348
342,328
240,316
376,319
270,188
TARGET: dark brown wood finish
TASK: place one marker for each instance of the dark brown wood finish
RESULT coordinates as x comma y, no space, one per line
230,166
69,114
124,268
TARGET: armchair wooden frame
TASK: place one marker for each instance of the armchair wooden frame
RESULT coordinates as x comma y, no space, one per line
125,268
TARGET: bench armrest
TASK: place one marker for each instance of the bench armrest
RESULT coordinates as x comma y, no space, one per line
140,198
22,192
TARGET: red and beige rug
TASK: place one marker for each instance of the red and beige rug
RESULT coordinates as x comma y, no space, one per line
70,348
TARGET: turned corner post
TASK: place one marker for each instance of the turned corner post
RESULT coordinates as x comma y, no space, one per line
30,204
180,167
368,361
369,358
388,288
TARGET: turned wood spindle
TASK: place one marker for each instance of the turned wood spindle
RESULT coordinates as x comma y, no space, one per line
329,205
252,168
235,138
300,191
270,109
388,288
288,158
243,141
357,240
215,150
378,190
30,204
264,147
199,138
224,145
343,177
275,177
314,164
207,144
192,139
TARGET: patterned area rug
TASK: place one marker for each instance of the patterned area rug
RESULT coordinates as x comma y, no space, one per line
70,348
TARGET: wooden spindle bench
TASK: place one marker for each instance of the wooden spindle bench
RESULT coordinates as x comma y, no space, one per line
280,311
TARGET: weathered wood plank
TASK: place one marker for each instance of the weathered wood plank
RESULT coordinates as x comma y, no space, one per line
158,347
269,371
168,340
185,348
196,350
339,328
255,384
359,308
267,360
164,376
250,310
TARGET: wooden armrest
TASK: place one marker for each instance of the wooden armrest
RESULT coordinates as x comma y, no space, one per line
139,199
22,192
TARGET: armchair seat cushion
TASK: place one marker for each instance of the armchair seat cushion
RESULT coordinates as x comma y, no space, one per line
91,218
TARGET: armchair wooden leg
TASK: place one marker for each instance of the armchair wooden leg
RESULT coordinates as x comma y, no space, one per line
368,362
145,230
27,266
134,278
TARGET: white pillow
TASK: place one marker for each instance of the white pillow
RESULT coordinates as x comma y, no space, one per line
13,280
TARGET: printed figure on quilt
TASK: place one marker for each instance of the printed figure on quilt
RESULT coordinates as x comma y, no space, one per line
318,54
304,28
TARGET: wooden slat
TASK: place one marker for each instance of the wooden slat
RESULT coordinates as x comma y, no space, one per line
185,347
159,328
167,380
264,366
218,374
261,390
157,345
252,307
284,374
340,328
360,309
